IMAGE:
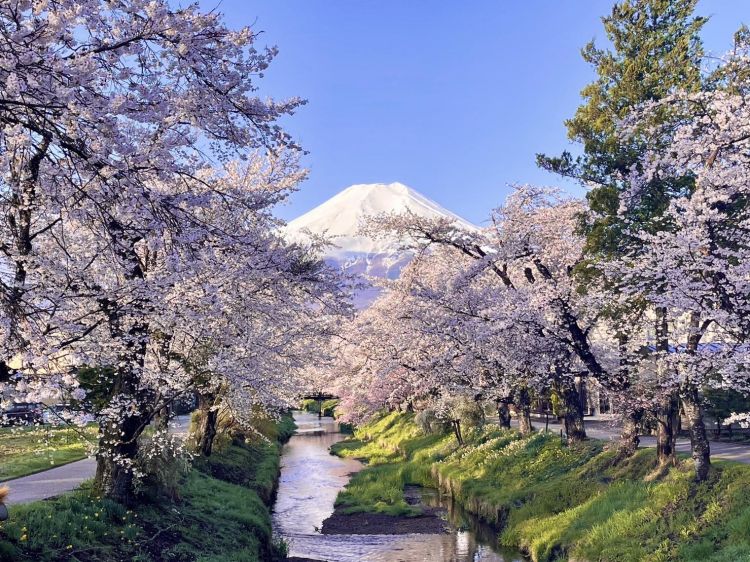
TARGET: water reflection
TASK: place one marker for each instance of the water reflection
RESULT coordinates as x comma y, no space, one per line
310,480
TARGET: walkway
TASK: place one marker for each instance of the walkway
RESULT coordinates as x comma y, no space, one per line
56,481
607,431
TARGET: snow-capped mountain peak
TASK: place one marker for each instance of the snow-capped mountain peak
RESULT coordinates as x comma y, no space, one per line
339,219
342,215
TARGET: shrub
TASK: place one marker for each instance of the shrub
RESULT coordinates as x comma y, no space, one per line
462,408
429,423
162,464
470,413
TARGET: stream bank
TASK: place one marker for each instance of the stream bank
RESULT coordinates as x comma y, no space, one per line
553,501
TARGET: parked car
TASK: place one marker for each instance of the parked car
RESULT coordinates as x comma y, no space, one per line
23,414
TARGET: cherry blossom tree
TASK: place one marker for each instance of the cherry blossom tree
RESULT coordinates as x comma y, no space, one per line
123,247
696,269
101,99
381,359
531,251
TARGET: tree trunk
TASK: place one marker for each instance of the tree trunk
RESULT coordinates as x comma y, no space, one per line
503,413
162,418
457,431
691,404
667,420
629,438
668,411
523,411
572,412
118,434
699,445
118,449
128,326
207,428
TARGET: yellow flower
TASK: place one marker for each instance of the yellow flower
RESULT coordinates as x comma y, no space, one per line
24,537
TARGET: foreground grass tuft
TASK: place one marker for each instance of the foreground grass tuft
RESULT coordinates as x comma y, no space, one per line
553,501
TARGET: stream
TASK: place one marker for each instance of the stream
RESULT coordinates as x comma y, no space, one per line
310,480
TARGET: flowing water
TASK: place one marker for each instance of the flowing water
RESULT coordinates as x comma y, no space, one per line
310,479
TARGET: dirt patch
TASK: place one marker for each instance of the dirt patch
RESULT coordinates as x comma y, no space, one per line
381,524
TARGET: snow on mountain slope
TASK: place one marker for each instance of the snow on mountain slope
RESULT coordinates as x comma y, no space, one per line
340,218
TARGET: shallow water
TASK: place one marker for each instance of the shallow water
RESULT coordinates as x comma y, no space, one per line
310,479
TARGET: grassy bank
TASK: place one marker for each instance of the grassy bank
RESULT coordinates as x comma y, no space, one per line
221,513
26,450
557,502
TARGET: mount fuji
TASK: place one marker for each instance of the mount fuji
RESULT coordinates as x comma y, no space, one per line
340,218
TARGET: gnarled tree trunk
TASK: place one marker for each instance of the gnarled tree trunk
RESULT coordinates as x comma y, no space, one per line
522,403
701,450
629,438
118,448
572,412
118,443
208,421
667,424
118,434
503,413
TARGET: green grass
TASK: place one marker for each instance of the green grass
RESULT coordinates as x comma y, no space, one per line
557,502
222,514
26,450
397,455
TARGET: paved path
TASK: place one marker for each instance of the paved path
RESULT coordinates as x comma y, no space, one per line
606,431
56,481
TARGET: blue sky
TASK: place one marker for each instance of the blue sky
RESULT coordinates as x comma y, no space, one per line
452,98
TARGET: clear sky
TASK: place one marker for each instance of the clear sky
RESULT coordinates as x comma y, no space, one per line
453,98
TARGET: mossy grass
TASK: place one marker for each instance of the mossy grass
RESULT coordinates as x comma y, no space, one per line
554,501
222,514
